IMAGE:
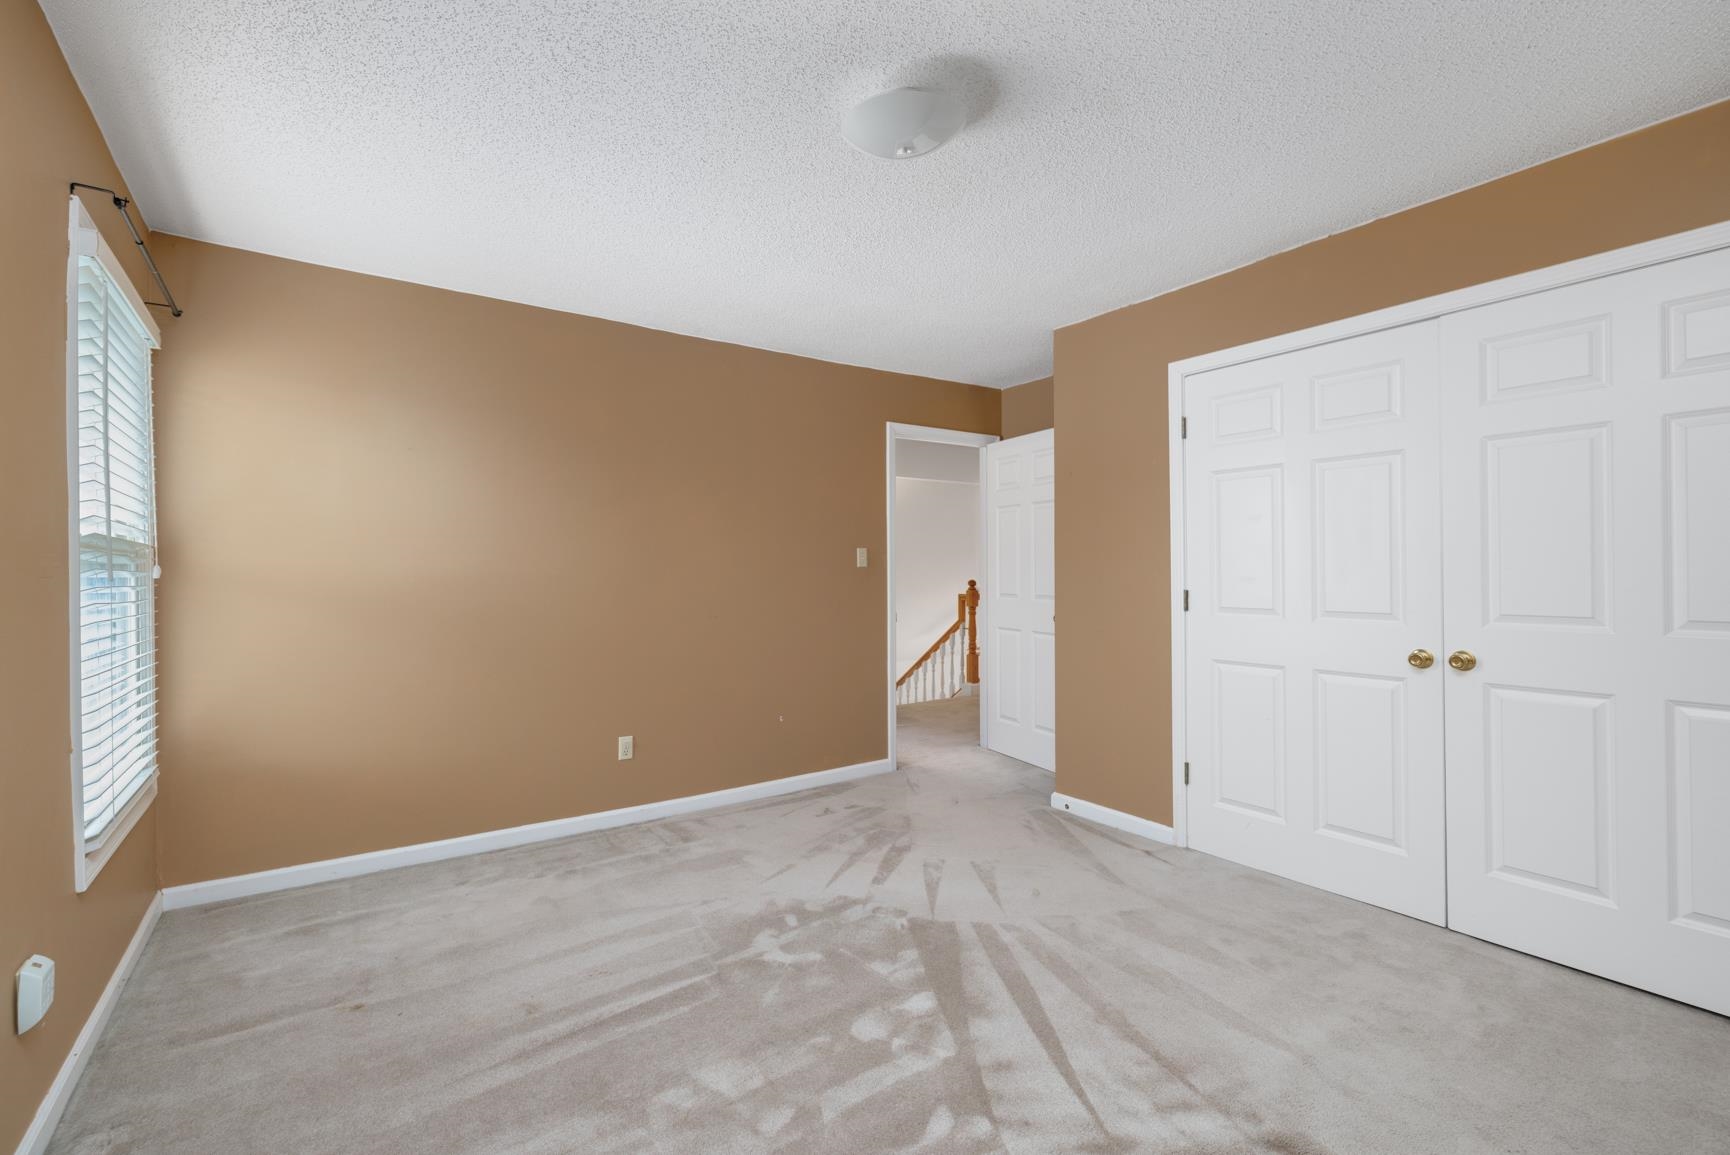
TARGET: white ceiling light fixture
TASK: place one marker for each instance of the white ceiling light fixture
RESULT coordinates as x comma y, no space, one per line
904,122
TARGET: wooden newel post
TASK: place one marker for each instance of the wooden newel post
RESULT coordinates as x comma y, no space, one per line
971,600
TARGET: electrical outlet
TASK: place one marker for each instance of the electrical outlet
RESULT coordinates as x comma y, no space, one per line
627,748
861,558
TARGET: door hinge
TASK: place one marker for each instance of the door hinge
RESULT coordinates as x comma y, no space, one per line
1186,601
1186,773
1183,429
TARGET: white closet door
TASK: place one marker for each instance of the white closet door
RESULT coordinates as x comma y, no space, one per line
1019,641
1313,554
1587,569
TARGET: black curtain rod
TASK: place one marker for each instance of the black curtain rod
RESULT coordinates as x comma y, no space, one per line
120,203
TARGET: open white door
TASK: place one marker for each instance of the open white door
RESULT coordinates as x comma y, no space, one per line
1587,575
1019,631
1314,566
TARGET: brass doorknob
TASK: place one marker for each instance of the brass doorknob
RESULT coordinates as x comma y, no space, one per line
1462,660
1422,659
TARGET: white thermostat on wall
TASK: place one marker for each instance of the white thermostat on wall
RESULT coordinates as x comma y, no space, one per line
35,990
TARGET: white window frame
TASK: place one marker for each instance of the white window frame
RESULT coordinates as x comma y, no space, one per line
89,856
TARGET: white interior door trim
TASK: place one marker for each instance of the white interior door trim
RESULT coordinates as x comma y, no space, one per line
896,431
1691,243
1179,634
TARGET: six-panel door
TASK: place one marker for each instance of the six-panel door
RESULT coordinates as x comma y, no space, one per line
1313,530
1020,627
1586,436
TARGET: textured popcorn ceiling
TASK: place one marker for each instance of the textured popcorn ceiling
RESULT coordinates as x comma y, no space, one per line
678,163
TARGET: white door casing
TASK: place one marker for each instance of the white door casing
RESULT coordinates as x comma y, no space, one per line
1018,630
1313,570
897,432
1586,436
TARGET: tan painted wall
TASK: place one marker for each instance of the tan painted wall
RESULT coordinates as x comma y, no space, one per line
428,555
1028,408
47,139
1114,666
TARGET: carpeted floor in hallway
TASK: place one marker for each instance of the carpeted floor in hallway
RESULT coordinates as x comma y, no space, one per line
931,960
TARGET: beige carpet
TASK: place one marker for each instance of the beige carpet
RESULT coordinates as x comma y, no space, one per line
931,960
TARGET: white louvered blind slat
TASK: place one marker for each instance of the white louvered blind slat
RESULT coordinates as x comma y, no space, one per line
116,698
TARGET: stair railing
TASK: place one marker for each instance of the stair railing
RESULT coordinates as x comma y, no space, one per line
951,663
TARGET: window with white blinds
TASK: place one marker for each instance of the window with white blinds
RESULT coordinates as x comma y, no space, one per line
114,684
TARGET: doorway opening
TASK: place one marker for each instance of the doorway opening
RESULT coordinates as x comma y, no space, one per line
936,540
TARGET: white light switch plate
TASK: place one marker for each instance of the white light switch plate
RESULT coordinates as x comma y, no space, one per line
861,558
35,990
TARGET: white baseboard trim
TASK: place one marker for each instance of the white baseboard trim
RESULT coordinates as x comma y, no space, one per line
41,1128
1116,819
330,869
